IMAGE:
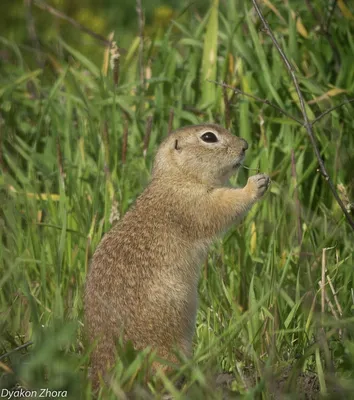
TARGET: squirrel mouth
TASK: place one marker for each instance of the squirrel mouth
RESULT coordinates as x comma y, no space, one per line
238,163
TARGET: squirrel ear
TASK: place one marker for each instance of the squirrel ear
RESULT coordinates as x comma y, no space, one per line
176,145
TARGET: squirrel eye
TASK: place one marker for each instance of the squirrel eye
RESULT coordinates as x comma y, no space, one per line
209,137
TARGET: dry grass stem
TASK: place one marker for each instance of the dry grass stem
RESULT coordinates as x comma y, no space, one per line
170,121
125,138
147,134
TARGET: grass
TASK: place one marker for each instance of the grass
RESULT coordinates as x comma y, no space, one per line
263,323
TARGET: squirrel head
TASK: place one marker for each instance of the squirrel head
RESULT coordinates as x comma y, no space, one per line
206,153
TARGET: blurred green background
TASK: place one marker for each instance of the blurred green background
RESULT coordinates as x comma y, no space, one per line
101,17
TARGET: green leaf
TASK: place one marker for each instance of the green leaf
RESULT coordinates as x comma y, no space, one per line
209,60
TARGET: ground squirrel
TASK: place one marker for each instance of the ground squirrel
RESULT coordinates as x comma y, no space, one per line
142,282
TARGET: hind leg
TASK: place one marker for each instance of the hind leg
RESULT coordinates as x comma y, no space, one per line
102,359
173,361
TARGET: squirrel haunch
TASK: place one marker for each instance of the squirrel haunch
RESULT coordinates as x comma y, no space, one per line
143,277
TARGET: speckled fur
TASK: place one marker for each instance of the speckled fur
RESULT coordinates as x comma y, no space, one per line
143,277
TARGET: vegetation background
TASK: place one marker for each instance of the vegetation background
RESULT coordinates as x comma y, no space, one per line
76,144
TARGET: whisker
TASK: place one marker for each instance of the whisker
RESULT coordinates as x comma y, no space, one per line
250,169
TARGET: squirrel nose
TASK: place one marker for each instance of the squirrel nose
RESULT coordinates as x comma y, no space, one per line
244,145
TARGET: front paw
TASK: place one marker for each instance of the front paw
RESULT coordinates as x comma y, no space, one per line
257,185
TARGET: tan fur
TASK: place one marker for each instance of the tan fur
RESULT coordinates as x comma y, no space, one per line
143,278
